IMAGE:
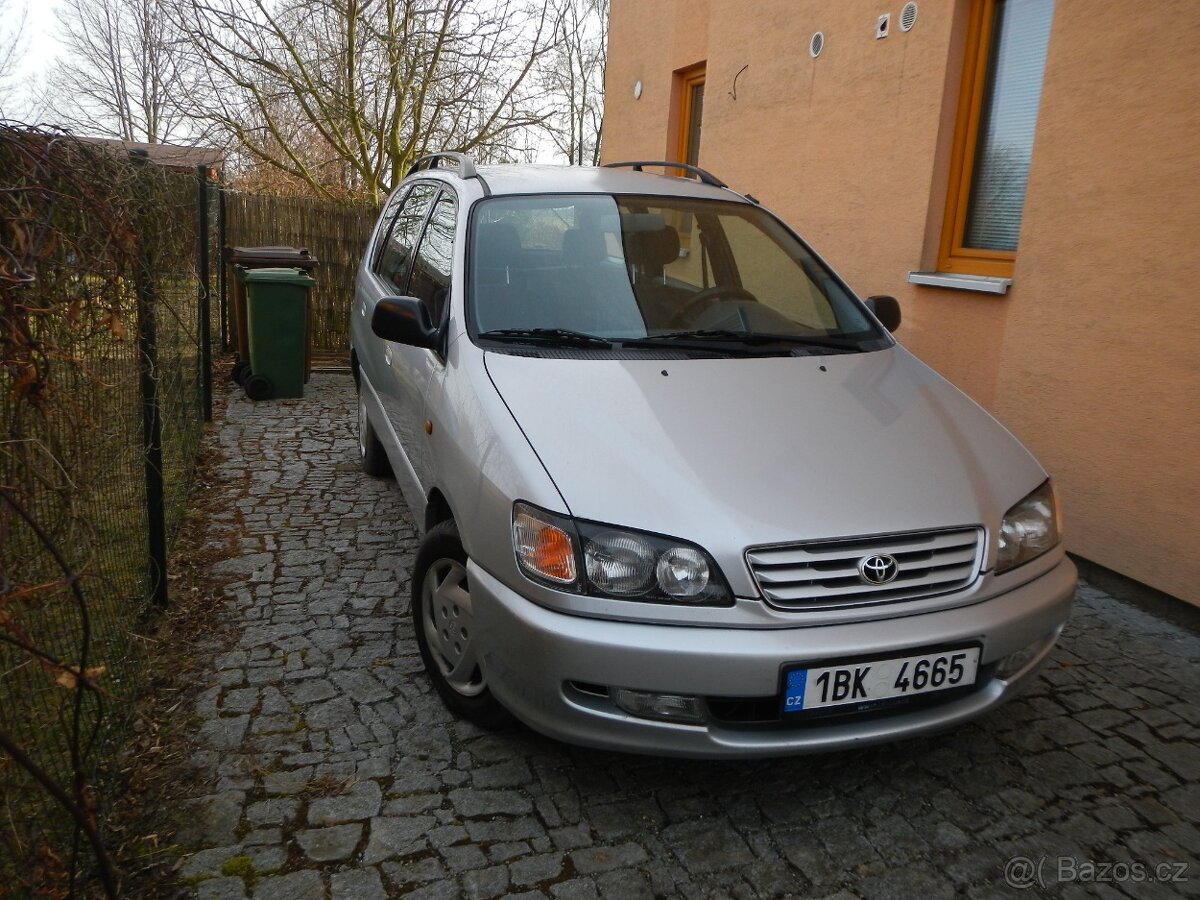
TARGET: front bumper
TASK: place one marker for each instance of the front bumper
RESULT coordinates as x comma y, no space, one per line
533,658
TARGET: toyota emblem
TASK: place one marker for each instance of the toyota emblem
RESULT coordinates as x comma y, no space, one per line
878,569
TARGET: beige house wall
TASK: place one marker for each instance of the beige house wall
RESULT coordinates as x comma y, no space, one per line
1091,357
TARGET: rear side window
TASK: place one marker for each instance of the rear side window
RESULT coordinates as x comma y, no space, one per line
430,281
388,218
396,258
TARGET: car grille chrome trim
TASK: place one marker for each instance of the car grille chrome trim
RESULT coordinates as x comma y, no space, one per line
823,574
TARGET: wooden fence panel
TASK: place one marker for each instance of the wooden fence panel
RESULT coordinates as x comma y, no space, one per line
335,232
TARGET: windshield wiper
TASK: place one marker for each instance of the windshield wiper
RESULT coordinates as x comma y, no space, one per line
752,338
562,337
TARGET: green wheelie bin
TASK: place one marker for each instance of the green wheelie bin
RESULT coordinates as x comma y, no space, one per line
242,259
277,328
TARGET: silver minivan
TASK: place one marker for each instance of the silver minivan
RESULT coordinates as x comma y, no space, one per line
682,492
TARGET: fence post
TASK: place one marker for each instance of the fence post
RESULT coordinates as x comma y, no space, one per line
147,337
222,239
203,238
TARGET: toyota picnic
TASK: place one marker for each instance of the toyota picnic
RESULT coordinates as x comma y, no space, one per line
681,491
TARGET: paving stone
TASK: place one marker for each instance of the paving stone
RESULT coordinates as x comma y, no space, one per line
600,859
224,733
507,774
360,686
311,690
705,846
330,844
240,700
508,850
415,871
1182,758
227,888
283,783
575,889
571,837
275,811
396,836
213,820
463,858
261,836
484,883
908,882
209,862
439,890
533,869
361,801
357,884
247,564
625,884
306,885
477,803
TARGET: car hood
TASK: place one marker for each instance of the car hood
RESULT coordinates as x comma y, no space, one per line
736,452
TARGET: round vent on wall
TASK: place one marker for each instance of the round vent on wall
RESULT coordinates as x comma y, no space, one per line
908,16
816,45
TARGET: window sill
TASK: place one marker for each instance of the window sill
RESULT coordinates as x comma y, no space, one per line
982,283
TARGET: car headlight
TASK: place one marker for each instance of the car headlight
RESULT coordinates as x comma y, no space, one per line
607,561
1029,529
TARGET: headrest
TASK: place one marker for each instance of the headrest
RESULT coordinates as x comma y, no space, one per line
653,249
499,245
583,246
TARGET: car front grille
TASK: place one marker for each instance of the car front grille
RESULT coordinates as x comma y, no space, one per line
825,575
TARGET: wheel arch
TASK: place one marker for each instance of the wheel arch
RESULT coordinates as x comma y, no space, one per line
437,509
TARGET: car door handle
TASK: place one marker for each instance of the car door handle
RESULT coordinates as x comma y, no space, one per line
387,355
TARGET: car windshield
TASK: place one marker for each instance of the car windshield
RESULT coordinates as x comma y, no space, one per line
649,270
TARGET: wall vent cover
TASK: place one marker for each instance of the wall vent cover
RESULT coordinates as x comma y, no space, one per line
817,44
908,16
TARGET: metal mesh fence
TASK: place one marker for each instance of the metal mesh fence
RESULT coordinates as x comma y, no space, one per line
98,313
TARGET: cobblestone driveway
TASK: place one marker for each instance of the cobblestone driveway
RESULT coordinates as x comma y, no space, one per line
334,771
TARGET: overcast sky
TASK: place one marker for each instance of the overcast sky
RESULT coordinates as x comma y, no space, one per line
41,43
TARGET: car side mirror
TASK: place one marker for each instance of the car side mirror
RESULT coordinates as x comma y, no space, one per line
404,320
886,310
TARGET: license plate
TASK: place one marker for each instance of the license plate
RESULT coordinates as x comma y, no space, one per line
879,679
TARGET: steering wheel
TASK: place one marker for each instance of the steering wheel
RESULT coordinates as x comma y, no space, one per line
706,296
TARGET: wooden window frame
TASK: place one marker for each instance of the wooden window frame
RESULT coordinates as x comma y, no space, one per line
953,257
686,79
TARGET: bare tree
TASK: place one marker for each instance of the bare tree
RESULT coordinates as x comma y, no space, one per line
12,50
119,73
574,78
343,95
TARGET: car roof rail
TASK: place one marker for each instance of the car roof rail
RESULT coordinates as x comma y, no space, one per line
466,165
636,165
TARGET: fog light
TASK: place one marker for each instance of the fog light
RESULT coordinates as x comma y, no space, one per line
669,707
1015,662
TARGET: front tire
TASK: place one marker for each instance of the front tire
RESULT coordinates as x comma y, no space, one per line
370,450
443,616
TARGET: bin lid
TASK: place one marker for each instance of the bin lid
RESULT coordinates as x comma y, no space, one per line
258,257
276,276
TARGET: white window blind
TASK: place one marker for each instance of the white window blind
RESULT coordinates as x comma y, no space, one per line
1007,121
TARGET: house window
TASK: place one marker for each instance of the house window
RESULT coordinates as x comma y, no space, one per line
691,111
998,107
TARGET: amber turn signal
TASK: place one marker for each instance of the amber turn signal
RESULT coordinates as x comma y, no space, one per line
543,549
